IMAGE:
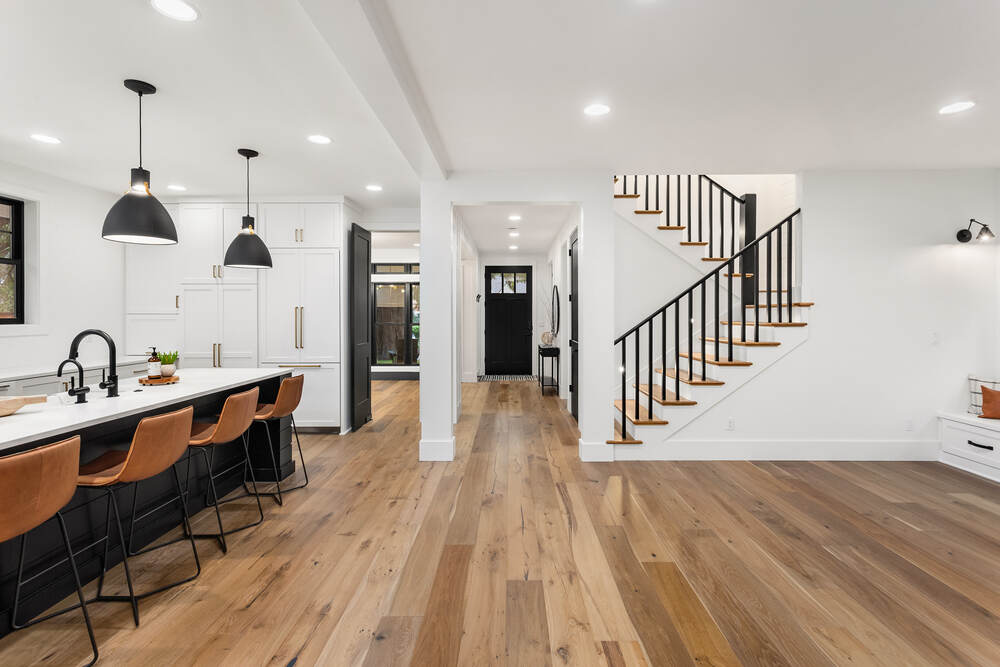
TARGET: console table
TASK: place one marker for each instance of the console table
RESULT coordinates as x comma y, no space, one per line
548,352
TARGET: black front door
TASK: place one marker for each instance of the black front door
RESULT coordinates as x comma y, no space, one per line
361,326
574,328
508,320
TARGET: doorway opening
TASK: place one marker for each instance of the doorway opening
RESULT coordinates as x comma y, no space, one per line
395,296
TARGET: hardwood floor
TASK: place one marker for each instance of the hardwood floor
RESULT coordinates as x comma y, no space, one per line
517,553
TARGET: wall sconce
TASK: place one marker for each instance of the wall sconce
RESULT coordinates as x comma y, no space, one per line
965,235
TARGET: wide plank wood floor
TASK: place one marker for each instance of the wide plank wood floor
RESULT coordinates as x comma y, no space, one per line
517,553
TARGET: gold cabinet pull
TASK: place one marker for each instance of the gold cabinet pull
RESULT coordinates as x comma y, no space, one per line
295,326
302,327
220,354
177,301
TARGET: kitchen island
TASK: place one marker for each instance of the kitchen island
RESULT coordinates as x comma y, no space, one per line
108,423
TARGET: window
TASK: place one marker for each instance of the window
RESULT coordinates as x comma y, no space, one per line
508,283
395,268
397,324
11,261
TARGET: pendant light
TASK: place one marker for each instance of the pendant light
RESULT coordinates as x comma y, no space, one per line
247,251
139,217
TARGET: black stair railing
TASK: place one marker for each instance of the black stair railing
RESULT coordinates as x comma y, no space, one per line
771,253
708,211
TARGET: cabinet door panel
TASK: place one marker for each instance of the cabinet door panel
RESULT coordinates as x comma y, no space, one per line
239,326
320,404
144,331
321,225
152,275
320,315
281,288
48,384
199,234
280,223
200,307
232,223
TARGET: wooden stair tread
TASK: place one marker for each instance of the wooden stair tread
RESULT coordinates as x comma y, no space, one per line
675,228
648,212
710,359
770,324
671,399
617,438
686,379
738,275
644,419
694,242
626,196
795,304
746,343
715,259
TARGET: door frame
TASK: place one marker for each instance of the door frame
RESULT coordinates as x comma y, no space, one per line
574,325
361,411
508,268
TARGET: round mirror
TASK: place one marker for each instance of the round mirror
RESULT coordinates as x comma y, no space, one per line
554,319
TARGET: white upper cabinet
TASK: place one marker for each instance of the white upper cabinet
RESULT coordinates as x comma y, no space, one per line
199,241
151,276
288,225
200,328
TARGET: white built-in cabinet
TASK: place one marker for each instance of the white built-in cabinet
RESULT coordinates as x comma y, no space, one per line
182,297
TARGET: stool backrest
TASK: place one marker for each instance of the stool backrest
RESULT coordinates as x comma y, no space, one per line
36,484
289,395
237,415
157,444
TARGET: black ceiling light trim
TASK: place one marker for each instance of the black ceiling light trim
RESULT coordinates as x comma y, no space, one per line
985,233
139,217
248,251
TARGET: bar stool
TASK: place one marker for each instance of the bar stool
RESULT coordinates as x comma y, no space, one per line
34,487
234,421
289,395
157,444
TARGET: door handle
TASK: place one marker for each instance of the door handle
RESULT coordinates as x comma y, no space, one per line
295,326
213,355
220,355
302,327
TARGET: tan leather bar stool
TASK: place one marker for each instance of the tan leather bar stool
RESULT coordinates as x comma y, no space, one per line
289,395
157,444
234,421
34,486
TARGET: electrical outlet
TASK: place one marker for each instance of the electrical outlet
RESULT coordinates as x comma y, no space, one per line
731,424
908,425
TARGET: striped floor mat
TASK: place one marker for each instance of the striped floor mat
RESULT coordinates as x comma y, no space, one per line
508,378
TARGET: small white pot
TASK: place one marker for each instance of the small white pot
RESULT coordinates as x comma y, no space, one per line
168,370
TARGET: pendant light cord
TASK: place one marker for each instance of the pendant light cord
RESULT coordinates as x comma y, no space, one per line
140,130
248,186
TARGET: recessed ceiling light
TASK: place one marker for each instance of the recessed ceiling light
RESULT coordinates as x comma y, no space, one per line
416,245
373,188
514,218
514,235
956,107
512,247
176,188
596,109
175,9
318,139
45,139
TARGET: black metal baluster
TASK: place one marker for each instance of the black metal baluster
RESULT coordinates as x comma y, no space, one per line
663,357
756,291
718,315
677,352
704,327
722,226
636,411
690,335
700,201
711,226
678,199
645,206
649,373
657,192
624,385
791,223
729,287
778,268
732,223
667,202
689,200
768,286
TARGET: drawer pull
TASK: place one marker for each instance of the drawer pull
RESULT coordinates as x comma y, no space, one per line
4,386
299,366
986,447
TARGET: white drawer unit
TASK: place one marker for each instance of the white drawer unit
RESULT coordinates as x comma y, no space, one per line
320,404
971,443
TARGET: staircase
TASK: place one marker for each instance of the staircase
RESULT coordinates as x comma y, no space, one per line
742,316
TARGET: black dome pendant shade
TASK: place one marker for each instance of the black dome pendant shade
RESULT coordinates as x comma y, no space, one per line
139,217
248,251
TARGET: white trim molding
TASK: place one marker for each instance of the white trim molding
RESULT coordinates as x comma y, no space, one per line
437,450
675,449
596,451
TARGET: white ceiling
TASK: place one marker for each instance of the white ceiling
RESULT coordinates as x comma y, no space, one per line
395,240
489,228
728,86
252,73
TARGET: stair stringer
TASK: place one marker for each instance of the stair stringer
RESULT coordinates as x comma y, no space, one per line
657,442
669,239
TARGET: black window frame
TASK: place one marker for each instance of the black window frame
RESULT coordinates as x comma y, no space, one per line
407,324
17,257
408,268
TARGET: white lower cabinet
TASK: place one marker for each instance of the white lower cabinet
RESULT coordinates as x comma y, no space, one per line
320,404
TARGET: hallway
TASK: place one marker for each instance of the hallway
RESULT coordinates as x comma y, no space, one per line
516,553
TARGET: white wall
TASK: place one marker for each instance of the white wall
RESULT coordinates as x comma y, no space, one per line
75,278
903,314
439,267
558,256
391,255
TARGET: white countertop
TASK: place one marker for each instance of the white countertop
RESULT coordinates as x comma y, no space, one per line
62,415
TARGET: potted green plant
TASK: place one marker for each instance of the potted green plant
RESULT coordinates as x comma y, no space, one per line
168,363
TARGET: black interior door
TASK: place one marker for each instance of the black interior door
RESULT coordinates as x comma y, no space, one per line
508,320
361,326
574,328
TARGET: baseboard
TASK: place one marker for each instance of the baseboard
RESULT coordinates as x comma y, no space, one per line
306,428
973,467
596,451
470,377
780,450
437,450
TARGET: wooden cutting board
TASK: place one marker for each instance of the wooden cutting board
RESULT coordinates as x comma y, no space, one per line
9,406
152,382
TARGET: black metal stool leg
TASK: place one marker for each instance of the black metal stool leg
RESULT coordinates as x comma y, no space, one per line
187,520
107,546
298,443
17,585
253,480
79,589
274,464
121,541
215,501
